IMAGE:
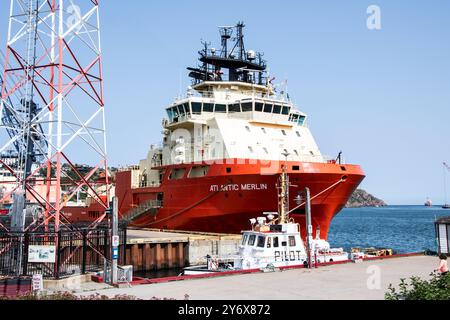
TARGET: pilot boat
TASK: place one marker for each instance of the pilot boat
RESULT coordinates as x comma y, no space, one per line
274,242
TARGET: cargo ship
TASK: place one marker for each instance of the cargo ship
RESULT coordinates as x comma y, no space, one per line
223,146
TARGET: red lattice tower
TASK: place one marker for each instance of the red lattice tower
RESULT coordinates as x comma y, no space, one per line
52,93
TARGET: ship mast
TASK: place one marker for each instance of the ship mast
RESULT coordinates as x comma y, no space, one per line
283,202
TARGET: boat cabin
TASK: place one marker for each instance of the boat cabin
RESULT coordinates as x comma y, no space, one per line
276,245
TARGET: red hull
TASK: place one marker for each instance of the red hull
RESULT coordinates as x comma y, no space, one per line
195,204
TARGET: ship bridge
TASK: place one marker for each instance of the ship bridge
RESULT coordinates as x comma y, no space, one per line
231,111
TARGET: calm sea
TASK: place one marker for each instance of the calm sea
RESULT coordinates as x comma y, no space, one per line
402,228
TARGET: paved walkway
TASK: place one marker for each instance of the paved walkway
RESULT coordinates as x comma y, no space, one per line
367,280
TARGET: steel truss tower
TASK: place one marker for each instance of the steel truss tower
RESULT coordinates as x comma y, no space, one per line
52,108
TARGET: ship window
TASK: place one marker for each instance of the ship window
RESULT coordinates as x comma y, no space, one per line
221,108
294,118
247,106
268,108
228,170
269,242
261,241
277,109
298,134
208,107
196,107
251,240
284,132
295,168
275,242
247,128
301,120
181,110
259,106
286,110
197,172
244,239
170,114
177,174
186,108
234,108
283,243
291,241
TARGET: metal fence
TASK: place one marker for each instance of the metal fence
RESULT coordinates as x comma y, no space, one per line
71,252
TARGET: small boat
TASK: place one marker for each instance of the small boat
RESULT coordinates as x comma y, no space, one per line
272,243
446,169
357,253
428,203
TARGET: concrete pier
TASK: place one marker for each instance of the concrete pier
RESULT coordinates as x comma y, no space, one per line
367,280
151,249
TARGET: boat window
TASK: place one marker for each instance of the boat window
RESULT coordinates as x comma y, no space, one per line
197,172
177,174
291,241
259,106
196,107
244,239
186,108
247,106
170,114
251,240
277,109
261,241
301,120
286,110
221,108
181,110
275,242
269,242
208,107
234,107
294,118
268,108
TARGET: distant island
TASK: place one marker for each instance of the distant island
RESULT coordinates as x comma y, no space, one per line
361,198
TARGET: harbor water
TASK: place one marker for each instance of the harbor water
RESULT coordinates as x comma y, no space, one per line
403,228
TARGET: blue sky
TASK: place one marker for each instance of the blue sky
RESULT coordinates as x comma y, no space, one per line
380,96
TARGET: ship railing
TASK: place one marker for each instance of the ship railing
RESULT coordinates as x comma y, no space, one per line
143,208
149,184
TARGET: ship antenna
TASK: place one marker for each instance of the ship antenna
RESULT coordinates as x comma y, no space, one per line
284,192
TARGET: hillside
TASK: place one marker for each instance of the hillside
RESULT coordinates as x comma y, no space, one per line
361,198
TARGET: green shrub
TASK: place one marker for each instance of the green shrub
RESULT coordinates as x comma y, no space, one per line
437,288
